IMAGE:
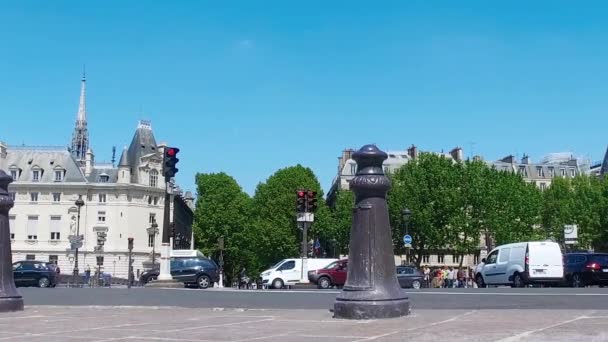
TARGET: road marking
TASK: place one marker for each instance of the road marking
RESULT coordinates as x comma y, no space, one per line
379,336
442,322
259,291
220,325
22,317
507,294
261,338
528,333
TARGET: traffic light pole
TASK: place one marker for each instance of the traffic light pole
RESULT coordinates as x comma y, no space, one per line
165,257
304,253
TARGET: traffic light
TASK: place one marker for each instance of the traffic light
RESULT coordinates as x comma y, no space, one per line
311,201
169,162
301,201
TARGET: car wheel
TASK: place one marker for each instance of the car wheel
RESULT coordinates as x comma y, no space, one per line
416,284
577,280
203,282
43,282
324,283
277,284
479,281
518,281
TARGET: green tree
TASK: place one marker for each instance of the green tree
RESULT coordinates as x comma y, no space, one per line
223,210
277,235
342,219
426,186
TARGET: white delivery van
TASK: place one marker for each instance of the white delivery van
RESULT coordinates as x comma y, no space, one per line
289,271
519,264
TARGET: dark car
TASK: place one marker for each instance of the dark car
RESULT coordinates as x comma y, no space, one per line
410,277
34,273
582,269
201,272
333,274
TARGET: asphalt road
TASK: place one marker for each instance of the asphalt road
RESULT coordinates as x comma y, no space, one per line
446,299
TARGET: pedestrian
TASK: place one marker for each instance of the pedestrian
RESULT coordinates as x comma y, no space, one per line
460,277
450,277
87,275
427,273
243,279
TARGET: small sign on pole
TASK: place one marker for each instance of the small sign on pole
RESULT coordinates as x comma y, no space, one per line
407,239
570,234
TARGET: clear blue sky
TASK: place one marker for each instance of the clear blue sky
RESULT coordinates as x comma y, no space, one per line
248,87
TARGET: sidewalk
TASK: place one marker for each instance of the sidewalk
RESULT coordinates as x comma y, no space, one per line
105,324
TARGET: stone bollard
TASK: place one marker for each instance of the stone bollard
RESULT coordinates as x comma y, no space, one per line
10,299
371,290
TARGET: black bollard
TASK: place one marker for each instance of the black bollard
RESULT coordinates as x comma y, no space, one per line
10,299
371,290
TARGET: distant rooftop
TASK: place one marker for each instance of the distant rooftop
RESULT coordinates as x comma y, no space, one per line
38,148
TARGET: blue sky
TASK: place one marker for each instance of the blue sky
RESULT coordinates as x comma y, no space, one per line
248,87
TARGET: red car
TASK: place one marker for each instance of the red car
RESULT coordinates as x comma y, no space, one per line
333,274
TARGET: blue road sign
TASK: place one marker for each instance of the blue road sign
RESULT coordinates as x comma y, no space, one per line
407,239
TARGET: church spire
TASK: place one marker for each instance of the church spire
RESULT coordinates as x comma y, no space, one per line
80,137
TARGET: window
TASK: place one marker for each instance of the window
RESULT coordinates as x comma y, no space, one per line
456,258
30,257
152,218
551,172
491,259
56,197
426,258
34,196
89,197
150,200
386,170
11,226
58,175
35,175
53,259
523,171
99,261
101,216
504,255
13,195
441,258
289,265
55,228
572,172
154,178
104,179
562,172
32,228
539,171
353,169
102,198
543,186
476,259
14,174
155,200
405,270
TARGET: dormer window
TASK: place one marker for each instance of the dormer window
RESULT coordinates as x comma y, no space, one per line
15,174
36,176
58,175
104,179
153,178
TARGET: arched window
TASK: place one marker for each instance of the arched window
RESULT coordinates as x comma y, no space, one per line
154,178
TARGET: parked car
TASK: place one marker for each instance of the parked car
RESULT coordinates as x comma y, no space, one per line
333,274
410,277
584,269
289,271
520,264
192,271
34,273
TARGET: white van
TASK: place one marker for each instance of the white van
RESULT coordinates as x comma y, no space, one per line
289,272
519,264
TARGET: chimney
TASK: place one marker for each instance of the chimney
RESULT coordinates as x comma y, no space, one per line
456,154
525,159
161,147
412,152
88,163
3,149
346,155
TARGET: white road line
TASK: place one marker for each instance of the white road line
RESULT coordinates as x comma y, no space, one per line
530,332
508,294
261,338
21,317
371,338
220,325
442,322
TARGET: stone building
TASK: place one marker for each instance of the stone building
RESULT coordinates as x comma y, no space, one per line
119,200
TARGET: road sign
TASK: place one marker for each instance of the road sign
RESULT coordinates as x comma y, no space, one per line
407,239
570,232
75,238
407,245
306,217
76,244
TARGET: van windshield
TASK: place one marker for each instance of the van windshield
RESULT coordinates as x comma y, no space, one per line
278,264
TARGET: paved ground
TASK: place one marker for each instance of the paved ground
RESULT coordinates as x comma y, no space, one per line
445,299
105,324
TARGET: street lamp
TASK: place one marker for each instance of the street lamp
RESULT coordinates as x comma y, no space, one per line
79,203
152,232
334,244
406,218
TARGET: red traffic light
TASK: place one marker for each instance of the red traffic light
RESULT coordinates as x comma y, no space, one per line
171,152
301,193
312,194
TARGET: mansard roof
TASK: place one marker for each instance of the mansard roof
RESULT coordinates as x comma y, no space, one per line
47,159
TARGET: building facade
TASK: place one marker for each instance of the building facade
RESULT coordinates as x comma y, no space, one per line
121,201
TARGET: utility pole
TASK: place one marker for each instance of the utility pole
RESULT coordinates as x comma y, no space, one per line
130,268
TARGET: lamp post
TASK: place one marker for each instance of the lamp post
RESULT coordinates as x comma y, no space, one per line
406,220
334,244
10,299
152,232
79,203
